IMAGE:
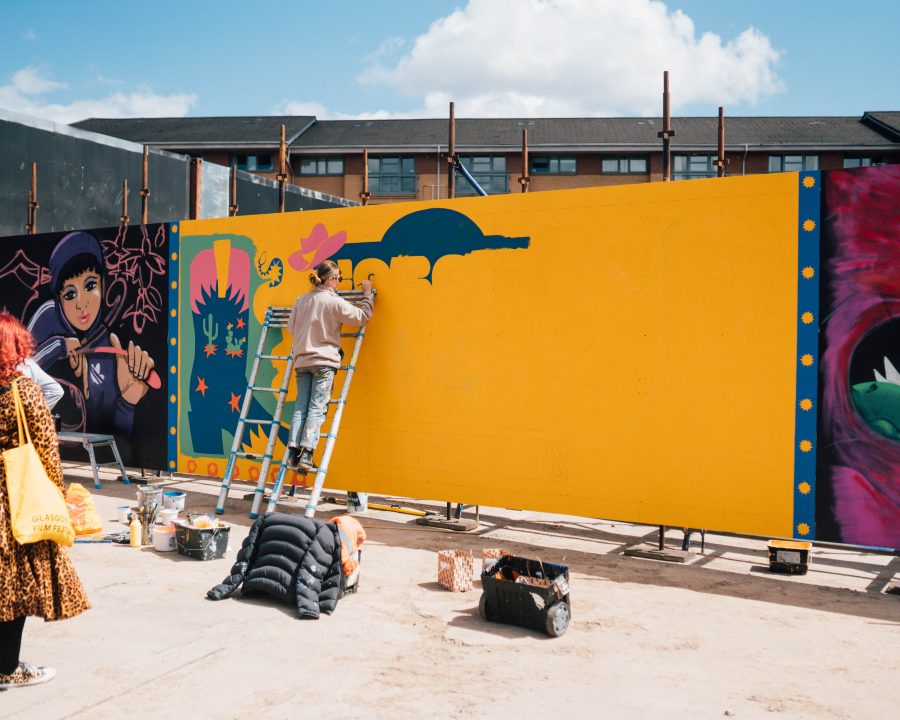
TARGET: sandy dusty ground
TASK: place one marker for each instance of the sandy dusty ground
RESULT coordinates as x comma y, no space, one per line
719,636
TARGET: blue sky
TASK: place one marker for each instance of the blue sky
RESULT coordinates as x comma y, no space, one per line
405,58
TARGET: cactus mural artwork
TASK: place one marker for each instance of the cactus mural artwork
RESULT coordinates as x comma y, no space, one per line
210,332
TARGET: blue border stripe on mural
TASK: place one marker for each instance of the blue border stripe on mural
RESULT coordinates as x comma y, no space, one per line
806,402
172,340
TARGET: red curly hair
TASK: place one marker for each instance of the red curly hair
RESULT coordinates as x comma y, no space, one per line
16,344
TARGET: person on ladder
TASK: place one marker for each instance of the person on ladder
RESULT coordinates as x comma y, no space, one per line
315,324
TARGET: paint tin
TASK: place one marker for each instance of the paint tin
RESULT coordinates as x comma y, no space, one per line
167,516
164,538
123,513
357,502
173,499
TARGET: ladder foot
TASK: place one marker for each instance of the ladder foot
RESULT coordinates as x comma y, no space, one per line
254,515
220,511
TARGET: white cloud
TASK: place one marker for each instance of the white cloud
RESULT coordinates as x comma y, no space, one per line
29,35
545,58
29,90
312,107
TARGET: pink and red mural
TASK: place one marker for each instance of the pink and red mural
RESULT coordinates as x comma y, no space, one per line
858,490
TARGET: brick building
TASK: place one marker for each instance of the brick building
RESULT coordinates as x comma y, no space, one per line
407,158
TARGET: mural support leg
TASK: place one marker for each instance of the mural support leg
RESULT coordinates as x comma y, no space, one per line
658,550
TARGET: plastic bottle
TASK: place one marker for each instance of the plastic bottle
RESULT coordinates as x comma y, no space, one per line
134,530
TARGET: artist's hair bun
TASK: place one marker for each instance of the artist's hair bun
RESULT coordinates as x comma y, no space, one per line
314,279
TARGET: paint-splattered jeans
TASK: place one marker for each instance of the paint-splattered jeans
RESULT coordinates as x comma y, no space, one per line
313,393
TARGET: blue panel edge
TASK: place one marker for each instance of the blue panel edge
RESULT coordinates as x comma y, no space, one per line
807,358
172,345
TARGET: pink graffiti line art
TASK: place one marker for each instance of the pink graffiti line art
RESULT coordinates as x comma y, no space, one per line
131,267
28,274
317,247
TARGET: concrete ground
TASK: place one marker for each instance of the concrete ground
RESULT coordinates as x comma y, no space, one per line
719,636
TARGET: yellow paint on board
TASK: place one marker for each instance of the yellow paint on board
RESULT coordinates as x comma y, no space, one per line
637,361
222,253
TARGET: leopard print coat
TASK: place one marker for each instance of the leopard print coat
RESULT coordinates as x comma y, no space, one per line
38,578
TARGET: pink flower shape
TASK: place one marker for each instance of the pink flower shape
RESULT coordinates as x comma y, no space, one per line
317,247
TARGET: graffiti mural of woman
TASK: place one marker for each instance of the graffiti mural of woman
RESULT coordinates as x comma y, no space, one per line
75,325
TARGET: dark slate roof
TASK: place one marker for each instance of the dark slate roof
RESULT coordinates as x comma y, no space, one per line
873,130
193,132
885,121
592,132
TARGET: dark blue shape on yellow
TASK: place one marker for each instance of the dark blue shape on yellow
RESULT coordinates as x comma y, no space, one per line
432,234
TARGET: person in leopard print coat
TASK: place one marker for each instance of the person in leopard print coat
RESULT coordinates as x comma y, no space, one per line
35,579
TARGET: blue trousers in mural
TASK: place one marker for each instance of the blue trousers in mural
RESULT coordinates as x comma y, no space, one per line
313,393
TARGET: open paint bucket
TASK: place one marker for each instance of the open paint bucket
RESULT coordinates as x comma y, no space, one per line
164,538
173,499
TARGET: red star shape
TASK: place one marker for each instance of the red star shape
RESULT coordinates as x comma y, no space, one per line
240,323
235,399
202,387
210,349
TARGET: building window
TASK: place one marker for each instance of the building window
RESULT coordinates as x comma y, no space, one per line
321,166
489,171
692,167
857,162
260,161
793,163
624,165
553,165
392,175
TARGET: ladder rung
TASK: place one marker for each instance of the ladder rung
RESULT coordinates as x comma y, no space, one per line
336,402
251,456
250,421
347,367
260,388
349,334
274,357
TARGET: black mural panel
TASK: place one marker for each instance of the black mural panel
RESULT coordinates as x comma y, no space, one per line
96,303
79,180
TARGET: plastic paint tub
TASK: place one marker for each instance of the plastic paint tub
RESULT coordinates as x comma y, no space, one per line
164,538
166,516
123,513
173,499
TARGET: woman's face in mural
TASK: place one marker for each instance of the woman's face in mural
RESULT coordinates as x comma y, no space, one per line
80,299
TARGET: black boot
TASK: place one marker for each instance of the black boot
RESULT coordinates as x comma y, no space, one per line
293,457
305,463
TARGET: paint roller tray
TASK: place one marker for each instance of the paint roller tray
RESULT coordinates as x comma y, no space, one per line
201,543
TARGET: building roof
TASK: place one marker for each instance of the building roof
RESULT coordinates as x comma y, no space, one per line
885,121
209,132
874,130
592,133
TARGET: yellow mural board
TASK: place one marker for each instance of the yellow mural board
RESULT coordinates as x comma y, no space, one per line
636,361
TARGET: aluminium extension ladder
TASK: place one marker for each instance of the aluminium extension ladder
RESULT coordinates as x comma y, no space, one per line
278,317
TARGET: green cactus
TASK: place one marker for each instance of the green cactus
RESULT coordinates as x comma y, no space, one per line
210,329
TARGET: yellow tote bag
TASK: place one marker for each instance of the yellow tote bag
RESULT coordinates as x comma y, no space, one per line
37,507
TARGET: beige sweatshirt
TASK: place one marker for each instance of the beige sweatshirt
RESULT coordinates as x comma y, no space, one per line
315,325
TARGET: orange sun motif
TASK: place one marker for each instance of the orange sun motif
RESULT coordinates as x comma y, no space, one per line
803,529
809,182
233,403
809,225
804,488
202,387
806,360
805,446
806,317
806,404
808,272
